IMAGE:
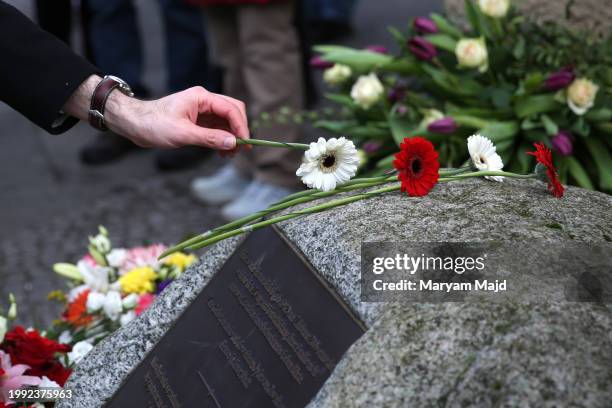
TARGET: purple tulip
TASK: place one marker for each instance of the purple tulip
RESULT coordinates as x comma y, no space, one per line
424,25
317,62
560,79
379,49
372,146
563,143
444,125
422,49
163,285
396,94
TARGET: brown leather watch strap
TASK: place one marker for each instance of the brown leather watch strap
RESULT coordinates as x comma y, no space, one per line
98,102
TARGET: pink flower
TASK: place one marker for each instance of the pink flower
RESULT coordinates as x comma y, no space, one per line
89,260
12,378
142,256
143,303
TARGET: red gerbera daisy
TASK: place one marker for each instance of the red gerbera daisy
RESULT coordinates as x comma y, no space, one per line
417,164
544,157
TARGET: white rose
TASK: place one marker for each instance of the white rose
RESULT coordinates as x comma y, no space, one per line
127,317
494,8
65,337
112,305
367,91
581,95
116,257
95,301
101,243
472,53
337,74
130,301
79,351
47,383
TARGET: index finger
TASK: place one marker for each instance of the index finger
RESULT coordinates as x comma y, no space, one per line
213,103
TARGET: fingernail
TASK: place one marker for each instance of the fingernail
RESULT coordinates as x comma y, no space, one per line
229,142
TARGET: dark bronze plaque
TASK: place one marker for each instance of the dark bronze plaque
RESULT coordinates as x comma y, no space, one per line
264,332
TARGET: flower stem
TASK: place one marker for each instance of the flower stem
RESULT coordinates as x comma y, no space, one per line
269,143
281,205
310,210
492,173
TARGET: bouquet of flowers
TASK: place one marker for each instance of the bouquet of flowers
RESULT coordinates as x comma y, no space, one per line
506,78
29,358
109,287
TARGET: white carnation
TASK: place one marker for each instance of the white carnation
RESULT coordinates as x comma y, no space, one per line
95,301
113,305
116,257
79,351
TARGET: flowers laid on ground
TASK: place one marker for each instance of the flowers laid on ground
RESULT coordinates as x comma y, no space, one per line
107,288
110,286
416,166
512,80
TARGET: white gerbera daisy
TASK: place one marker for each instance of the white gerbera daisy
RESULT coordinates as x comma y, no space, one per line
483,155
328,163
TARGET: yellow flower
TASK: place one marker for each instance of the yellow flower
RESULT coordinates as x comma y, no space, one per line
139,280
180,260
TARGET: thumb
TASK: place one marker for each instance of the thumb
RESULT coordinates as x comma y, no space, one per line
217,139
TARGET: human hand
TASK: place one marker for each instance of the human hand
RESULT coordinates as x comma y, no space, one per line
191,117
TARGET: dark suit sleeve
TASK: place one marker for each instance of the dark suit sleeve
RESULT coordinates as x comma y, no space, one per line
38,72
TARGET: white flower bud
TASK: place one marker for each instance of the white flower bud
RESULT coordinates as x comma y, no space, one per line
367,91
337,74
430,116
116,257
130,301
101,243
113,305
581,95
494,8
472,53
79,351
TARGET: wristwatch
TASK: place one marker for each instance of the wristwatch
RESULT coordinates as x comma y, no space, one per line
99,97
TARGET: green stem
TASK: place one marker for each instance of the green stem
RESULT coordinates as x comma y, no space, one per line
313,195
269,143
492,173
310,210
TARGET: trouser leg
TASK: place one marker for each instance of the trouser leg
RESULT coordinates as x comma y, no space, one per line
115,40
271,68
186,46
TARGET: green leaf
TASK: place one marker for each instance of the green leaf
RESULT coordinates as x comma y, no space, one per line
361,61
324,49
452,83
397,34
401,128
445,27
386,162
603,161
519,48
442,41
403,66
473,15
68,271
500,131
501,98
342,99
578,173
533,81
604,127
581,127
335,126
550,126
532,105
522,158
599,115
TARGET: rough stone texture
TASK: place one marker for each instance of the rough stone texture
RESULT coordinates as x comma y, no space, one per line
588,15
446,354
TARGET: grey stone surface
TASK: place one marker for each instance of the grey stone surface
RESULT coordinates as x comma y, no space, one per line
447,354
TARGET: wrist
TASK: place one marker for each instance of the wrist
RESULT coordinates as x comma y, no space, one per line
122,114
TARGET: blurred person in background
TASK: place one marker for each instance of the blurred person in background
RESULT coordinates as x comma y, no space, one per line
328,20
117,47
256,43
